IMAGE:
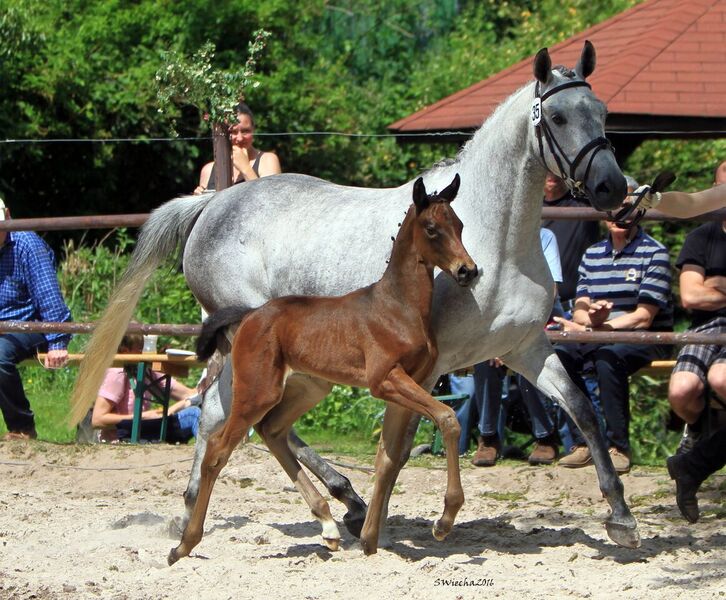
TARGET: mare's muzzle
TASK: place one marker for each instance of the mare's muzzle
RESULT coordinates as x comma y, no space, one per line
465,274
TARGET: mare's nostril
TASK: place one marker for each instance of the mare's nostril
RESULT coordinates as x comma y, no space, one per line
602,189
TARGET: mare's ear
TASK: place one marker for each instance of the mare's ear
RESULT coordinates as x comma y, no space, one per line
543,66
420,199
449,192
586,64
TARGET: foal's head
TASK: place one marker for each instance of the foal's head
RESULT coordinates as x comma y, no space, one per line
437,232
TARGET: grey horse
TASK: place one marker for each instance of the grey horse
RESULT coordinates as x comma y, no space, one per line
295,234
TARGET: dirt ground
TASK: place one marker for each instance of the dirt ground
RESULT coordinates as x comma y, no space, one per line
92,522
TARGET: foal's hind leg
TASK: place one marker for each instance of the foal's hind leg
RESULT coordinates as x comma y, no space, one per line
215,409
541,365
305,391
252,400
274,429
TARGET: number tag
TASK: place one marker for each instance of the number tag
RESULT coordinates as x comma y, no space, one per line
536,111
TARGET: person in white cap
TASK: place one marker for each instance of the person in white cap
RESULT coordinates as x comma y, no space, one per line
29,291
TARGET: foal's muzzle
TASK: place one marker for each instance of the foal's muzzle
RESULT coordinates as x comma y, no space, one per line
465,274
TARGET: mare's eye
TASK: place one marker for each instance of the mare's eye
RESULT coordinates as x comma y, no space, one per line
558,119
431,231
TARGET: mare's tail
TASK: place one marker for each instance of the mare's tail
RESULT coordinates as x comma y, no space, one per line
213,328
167,228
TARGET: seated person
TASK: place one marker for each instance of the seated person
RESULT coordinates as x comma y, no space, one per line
113,411
624,285
248,162
702,262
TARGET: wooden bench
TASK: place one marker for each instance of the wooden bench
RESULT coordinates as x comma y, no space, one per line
142,366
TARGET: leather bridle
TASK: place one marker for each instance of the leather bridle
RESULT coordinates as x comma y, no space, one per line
544,134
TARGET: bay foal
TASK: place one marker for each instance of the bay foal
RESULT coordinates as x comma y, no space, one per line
378,337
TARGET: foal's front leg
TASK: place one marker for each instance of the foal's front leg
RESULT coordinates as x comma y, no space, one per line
400,390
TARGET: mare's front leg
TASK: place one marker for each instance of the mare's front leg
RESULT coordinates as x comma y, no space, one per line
540,365
399,389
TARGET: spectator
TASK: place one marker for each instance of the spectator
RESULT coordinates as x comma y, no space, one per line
702,262
113,411
488,400
29,291
247,161
690,469
573,237
624,285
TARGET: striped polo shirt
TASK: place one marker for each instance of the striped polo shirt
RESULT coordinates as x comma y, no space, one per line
639,274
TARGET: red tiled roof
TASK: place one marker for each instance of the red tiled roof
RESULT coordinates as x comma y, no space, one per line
661,58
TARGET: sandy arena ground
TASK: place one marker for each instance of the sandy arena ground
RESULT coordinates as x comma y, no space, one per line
91,522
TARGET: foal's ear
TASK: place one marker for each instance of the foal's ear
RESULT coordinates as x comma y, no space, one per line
586,64
543,66
420,198
449,192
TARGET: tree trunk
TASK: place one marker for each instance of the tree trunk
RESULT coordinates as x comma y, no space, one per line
222,157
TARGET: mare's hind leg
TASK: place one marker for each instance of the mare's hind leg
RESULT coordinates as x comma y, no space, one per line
540,365
305,391
274,429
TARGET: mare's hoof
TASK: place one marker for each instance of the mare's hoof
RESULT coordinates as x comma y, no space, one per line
332,543
623,535
353,522
439,531
176,528
173,557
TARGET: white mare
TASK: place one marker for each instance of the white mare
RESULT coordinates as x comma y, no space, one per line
294,234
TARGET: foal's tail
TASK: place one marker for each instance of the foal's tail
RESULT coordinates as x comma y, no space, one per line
167,228
213,329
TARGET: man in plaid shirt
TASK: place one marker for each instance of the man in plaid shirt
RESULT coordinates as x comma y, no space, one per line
29,291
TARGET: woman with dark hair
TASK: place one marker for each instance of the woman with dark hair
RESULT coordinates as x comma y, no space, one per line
247,161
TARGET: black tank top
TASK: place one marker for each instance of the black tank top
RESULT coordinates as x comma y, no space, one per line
255,168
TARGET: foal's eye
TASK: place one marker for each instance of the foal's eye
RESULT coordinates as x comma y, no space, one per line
431,231
558,119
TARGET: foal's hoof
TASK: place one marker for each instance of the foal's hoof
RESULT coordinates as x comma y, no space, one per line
439,531
173,557
353,522
623,535
368,547
332,543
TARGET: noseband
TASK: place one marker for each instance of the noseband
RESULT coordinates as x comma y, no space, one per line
543,130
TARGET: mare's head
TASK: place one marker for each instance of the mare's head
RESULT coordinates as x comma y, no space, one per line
437,232
569,124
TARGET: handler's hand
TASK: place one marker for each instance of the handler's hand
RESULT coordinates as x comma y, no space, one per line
650,199
55,359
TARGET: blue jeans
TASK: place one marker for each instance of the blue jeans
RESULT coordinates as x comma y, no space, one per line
181,427
14,348
540,408
614,363
463,385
